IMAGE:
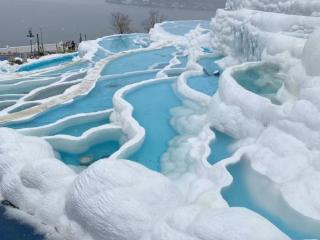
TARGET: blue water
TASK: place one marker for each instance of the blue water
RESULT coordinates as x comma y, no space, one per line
117,44
208,63
207,83
11,229
207,50
96,152
100,98
160,65
26,87
220,147
47,63
76,67
263,80
139,61
16,80
238,195
100,54
183,62
7,97
152,106
6,104
78,129
183,27
23,107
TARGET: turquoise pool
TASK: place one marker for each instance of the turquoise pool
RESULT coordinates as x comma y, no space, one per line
183,62
100,98
121,43
183,27
6,97
263,80
209,64
41,64
139,61
240,194
220,147
152,104
74,67
207,83
78,129
100,54
94,153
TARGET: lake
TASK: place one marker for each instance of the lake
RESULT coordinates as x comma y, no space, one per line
65,19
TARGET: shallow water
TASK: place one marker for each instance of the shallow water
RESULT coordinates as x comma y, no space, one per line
124,43
206,83
7,97
183,27
139,61
257,193
94,153
100,98
263,80
50,91
23,107
41,64
26,86
209,64
78,129
220,147
183,62
75,67
152,106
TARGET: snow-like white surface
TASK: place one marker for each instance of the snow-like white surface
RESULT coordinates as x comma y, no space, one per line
250,34
128,198
5,67
118,199
32,178
298,7
112,199
311,55
194,223
87,49
285,137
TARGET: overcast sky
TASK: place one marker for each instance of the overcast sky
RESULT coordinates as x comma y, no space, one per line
65,19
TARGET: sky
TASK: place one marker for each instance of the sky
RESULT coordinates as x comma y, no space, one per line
65,19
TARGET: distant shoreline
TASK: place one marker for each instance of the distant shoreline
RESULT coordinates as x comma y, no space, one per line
90,19
154,5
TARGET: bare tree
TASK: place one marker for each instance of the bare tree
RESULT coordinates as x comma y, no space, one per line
121,22
154,17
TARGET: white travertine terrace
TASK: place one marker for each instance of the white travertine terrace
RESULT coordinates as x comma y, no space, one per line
82,88
119,200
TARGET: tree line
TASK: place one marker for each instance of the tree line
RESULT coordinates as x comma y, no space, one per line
121,22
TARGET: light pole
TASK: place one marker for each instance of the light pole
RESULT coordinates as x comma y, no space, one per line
38,44
41,39
30,36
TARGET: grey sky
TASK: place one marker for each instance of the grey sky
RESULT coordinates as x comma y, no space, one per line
64,20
